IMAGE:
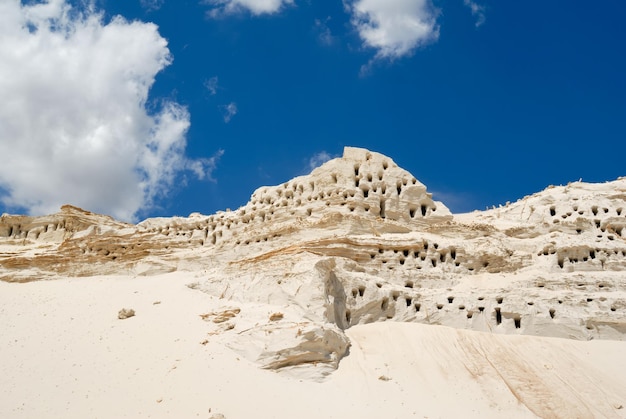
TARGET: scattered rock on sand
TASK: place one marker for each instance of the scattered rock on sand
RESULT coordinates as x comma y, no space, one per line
222,316
125,313
276,316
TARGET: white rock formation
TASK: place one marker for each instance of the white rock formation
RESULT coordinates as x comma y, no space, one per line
360,240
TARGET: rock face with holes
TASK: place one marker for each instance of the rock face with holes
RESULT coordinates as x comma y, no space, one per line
360,240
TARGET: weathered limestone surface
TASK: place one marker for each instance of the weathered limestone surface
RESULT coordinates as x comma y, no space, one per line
361,240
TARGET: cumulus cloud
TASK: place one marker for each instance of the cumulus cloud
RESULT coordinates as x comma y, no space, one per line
74,124
395,28
256,7
478,11
229,111
319,159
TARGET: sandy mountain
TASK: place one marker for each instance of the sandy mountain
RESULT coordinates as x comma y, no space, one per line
340,277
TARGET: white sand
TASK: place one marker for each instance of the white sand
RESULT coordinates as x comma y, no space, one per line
65,354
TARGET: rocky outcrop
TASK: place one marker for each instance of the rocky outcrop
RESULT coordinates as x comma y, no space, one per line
293,346
360,240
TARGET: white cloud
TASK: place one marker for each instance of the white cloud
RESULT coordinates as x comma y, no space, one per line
229,111
395,28
73,121
319,159
256,7
457,202
151,5
203,168
324,33
478,11
212,85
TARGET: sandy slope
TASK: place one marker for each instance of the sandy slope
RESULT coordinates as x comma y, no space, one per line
301,272
65,354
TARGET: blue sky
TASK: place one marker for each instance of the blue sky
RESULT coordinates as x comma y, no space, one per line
188,106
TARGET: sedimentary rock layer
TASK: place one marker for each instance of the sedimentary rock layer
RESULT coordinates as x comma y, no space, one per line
360,240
